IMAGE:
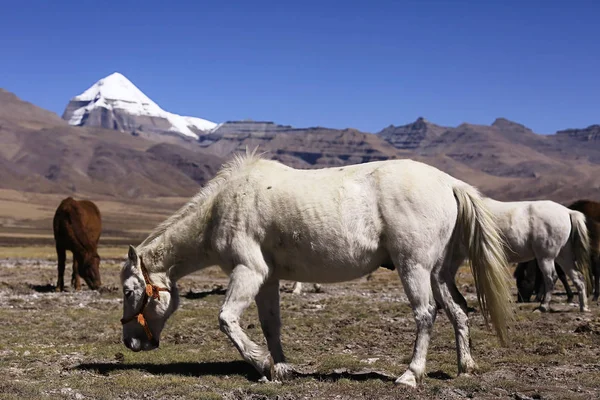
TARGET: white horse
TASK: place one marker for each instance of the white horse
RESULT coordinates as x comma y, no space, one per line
546,231
262,221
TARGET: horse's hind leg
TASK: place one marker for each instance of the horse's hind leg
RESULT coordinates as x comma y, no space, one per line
519,276
577,278
245,283
297,288
546,267
75,280
595,267
416,280
62,256
267,302
447,294
565,283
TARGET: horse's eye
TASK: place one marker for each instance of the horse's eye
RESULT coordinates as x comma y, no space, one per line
128,293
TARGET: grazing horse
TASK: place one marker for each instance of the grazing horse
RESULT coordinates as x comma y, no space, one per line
530,280
546,231
77,228
262,222
529,277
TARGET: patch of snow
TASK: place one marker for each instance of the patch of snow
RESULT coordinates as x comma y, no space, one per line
117,92
217,126
201,124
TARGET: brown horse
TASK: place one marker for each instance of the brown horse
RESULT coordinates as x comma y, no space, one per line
591,210
528,282
77,228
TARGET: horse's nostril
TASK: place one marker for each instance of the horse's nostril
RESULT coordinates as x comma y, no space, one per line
133,344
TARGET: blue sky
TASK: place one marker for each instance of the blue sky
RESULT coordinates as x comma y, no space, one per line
337,64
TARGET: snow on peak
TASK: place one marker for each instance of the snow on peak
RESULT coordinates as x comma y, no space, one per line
116,87
116,92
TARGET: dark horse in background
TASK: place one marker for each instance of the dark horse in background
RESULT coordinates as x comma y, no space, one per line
529,277
77,227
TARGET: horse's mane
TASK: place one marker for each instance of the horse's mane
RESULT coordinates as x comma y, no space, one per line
238,162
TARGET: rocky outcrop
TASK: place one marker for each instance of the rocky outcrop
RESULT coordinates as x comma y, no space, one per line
591,133
411,136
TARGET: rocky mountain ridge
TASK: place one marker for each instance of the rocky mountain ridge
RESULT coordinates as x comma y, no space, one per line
505,160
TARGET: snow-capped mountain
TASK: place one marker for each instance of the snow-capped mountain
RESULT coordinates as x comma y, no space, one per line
116,103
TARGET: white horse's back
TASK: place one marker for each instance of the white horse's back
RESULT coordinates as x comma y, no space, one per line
336,224
532,228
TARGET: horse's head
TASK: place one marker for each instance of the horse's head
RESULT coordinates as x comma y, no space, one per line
89,270
146,304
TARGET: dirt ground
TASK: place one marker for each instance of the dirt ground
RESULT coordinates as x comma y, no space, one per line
350,341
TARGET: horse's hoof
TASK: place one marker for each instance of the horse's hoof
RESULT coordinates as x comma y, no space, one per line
586,309
467,368
264,379
282,371
542,309
408,379
266,367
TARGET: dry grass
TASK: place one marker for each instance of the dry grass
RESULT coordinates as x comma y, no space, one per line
68,344
49,252
26,218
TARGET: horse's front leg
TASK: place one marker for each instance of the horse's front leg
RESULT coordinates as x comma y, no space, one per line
62,257
267,302
75,280
245,283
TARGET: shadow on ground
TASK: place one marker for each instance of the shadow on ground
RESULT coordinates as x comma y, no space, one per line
241,368
43,288
200,295
183,368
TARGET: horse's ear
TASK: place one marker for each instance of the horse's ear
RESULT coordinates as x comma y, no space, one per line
133,257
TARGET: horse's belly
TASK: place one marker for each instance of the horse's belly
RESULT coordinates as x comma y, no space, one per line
303,266
519,253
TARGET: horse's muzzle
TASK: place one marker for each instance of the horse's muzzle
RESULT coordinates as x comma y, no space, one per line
136,345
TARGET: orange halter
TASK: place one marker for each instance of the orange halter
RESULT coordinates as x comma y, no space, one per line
152,291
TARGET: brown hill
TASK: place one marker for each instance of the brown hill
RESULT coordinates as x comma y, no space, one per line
505,160
510,161
41,153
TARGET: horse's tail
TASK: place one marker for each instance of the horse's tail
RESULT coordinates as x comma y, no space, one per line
487,258
580,243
